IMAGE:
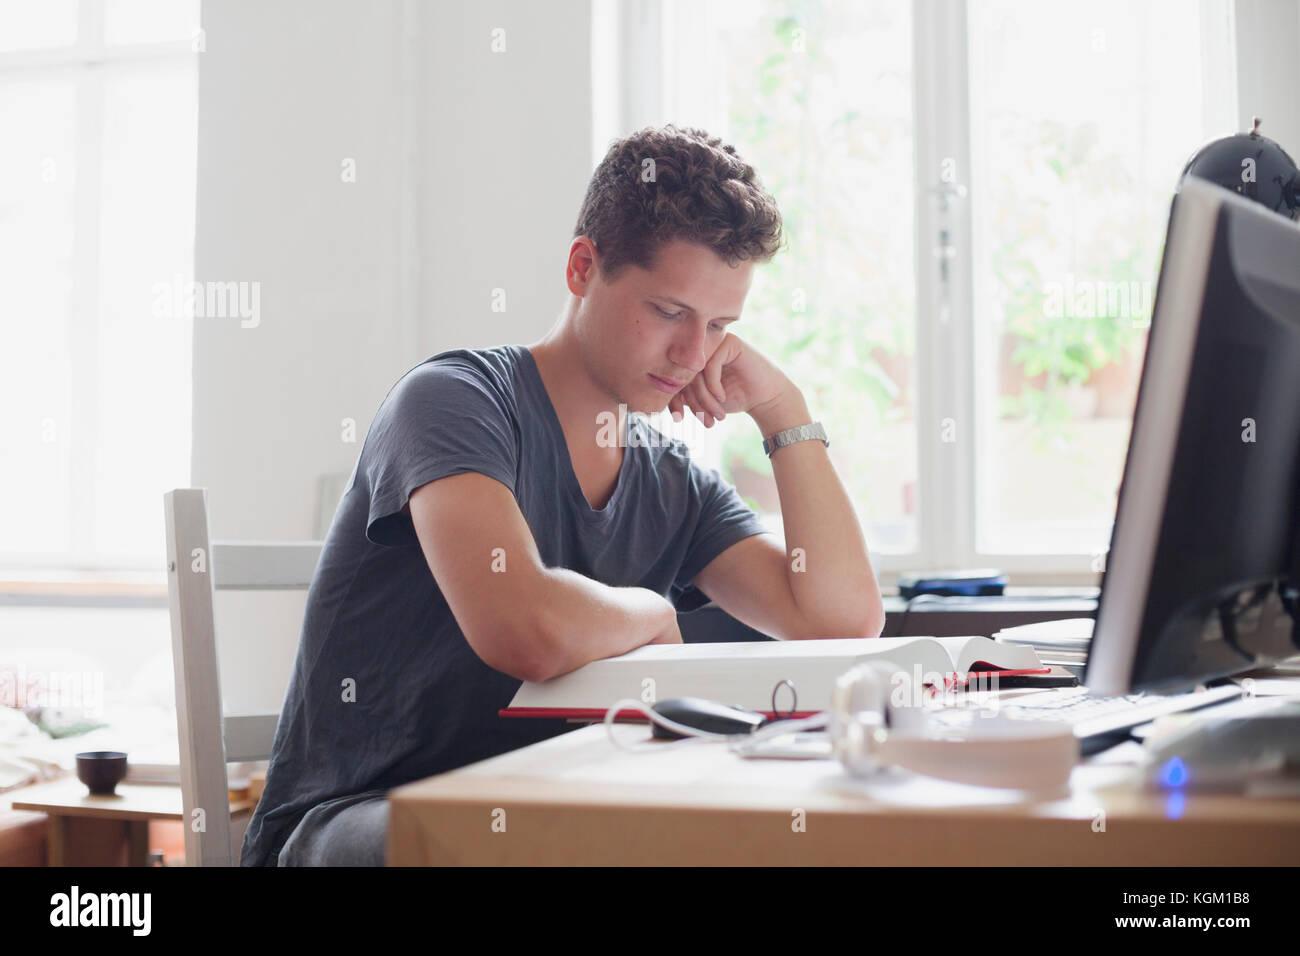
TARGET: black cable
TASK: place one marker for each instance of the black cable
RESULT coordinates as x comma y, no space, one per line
902,625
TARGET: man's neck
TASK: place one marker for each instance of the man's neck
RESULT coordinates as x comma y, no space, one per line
581,405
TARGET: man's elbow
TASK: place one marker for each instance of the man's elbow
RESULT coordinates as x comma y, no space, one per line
873,621
869,627
521,651
512,660
875,624
535,655
869,623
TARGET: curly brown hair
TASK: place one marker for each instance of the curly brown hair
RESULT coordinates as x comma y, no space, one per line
696,189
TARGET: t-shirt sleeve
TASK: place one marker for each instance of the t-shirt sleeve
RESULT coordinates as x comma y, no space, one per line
724,519
440,419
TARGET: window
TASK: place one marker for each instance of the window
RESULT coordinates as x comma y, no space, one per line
975,195
98,101
1071,182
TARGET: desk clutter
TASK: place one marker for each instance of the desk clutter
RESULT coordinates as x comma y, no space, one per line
1061,643
946,708
871,698
745,674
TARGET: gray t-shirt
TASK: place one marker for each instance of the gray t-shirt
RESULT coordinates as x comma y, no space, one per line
424,701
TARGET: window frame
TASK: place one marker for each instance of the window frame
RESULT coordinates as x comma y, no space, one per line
951,358
87,60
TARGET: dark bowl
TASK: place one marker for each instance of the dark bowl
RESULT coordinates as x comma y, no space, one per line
101,770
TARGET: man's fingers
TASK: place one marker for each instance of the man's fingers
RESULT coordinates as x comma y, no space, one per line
706,399
713,376
699,402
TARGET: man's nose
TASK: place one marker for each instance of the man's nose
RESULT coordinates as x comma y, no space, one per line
690,347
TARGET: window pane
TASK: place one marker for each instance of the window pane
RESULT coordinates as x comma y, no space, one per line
37,24
818,98
150,21
147,249
37,189
1082,117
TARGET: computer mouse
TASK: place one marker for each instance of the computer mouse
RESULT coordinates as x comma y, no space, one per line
706,715
1234,746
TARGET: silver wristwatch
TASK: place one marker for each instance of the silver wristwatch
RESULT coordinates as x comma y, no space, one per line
792,435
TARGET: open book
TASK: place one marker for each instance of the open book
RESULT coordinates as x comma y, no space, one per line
745,674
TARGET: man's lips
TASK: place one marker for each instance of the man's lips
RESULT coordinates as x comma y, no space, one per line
667,384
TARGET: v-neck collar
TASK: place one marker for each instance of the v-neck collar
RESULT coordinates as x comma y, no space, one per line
562,445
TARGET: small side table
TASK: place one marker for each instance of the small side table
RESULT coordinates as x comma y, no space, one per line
89,830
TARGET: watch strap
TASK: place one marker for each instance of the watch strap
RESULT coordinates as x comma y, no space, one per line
797,434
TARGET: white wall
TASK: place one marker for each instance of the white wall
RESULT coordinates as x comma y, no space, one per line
287,91
470,166
505,160
1268,69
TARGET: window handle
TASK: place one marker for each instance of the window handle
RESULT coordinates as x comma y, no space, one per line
947,192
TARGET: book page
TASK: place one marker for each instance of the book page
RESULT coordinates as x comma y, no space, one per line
965,651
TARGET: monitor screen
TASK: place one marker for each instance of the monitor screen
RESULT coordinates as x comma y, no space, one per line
1199,583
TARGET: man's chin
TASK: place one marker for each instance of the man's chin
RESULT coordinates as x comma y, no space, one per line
658,406
645,408
651,405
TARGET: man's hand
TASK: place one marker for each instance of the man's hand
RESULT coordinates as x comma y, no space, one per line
737,378
832,590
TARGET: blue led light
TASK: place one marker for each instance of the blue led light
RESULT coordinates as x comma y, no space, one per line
1174,772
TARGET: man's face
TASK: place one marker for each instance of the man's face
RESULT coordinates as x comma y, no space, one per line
662,323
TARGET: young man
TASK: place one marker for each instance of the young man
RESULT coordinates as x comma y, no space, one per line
493,532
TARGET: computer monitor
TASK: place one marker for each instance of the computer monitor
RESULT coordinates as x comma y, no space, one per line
1204,565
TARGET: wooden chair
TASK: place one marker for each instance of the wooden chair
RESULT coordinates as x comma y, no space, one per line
209,739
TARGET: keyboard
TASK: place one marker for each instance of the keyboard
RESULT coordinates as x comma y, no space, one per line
1093,717
1096,721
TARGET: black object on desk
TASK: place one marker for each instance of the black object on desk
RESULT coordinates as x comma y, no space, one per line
1014,681
706,715
970,583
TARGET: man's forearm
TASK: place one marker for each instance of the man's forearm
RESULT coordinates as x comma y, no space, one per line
832,581
585,620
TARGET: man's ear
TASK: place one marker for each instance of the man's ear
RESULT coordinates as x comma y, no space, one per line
580,269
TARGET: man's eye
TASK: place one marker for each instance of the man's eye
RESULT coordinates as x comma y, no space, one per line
667,315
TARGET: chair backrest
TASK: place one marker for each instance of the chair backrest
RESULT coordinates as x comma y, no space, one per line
196,569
